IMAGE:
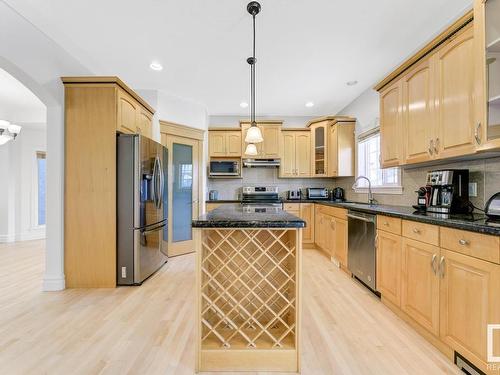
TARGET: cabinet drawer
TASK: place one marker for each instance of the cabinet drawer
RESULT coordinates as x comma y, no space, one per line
477,245
339,213
389,224
295,207
427,233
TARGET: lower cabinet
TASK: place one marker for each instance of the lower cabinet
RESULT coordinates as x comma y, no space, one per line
307,214
468,303
340,242
389,249
319,228
420,283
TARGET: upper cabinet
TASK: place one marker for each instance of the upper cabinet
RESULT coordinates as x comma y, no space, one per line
224,143
133,118
487,53
332,146
391,104
428,106
295,153
270,147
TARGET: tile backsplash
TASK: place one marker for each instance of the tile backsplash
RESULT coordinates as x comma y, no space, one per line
484,172
231,188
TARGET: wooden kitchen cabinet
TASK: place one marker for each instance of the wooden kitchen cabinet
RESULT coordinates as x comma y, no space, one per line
341,146
340,241
319,147
389,251
468,303
295,153
320,223
455,96
419,125
270,147
306,212
132,118
224,143
420,283
391,105
145,123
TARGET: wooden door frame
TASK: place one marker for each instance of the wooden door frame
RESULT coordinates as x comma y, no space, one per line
196,136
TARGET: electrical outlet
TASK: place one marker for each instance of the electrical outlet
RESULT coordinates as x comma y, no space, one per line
472,189
124,272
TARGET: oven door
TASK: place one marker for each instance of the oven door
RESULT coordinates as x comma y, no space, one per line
224,168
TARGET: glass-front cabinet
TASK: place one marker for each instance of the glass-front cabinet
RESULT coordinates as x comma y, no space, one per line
487,27
319,148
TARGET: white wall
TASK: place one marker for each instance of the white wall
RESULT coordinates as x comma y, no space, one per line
19,221
38,62
365,108
234,121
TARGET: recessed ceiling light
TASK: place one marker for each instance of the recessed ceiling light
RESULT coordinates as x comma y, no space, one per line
352,83
309,104
156,66
243,104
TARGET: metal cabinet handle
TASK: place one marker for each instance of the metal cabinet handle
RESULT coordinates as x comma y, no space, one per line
386,223
416,230
332,224
436,146
433,264
477,135
431,146
463,242
441,267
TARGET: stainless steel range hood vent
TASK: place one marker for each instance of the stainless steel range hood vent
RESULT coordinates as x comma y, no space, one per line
261,163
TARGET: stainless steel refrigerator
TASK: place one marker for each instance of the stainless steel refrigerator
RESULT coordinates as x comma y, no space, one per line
142,211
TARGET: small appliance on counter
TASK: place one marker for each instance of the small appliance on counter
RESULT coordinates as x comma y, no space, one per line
338,194
423,198
492,209
449,191
294,194
317,193
213,195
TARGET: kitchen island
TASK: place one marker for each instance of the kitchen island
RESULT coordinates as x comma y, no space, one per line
248,283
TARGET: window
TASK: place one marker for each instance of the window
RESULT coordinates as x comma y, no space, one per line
41,164
186,176
383,180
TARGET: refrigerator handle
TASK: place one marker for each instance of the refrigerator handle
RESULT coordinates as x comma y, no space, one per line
158,182
162,181
155,182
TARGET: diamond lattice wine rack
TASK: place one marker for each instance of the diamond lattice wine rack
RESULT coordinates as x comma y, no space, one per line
248,299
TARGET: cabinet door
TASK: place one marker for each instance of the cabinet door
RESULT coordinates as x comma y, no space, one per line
303,154
418,113
390,125
127,114
233,143
145,123
319,149
340,245
319,227
287,153
271,135
389,266
468,302
455,96
217,143
307,214
420,285
333,151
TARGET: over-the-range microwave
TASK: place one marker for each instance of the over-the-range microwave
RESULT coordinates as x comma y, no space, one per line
224,168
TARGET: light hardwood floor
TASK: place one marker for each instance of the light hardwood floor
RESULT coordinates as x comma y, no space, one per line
150,330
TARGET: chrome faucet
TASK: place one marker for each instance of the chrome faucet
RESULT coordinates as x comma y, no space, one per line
371,200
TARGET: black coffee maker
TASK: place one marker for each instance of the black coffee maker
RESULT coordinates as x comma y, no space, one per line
449,191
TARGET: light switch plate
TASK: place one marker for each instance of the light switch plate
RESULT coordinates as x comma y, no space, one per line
472,189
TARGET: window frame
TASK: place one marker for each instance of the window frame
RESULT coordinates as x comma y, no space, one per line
380,189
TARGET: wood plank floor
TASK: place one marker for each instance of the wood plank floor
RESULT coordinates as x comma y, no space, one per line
150,329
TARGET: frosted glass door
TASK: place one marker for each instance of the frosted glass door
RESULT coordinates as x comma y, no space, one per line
182,192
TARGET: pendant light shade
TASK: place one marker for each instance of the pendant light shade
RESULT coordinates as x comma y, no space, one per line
251,150
254,135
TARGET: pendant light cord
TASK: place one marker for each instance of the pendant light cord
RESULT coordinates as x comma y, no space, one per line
252,68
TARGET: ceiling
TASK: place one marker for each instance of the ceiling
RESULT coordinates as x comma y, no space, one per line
18,104
306,49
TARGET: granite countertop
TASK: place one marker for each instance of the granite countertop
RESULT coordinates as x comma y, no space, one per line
476,222
236,216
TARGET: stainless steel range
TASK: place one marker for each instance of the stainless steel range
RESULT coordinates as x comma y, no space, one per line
261,197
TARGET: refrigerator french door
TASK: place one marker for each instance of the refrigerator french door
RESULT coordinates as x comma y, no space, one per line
141,208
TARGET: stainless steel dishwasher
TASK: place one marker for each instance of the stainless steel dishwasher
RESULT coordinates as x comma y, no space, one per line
361,247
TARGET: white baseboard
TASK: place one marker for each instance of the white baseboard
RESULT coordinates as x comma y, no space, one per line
6,238
53,283
37,234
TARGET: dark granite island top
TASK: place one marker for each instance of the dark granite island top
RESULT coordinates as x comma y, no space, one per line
238,216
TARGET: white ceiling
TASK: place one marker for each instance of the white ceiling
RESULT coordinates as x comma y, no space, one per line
306,49
18,104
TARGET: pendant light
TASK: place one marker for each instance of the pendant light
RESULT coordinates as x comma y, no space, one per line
254,135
